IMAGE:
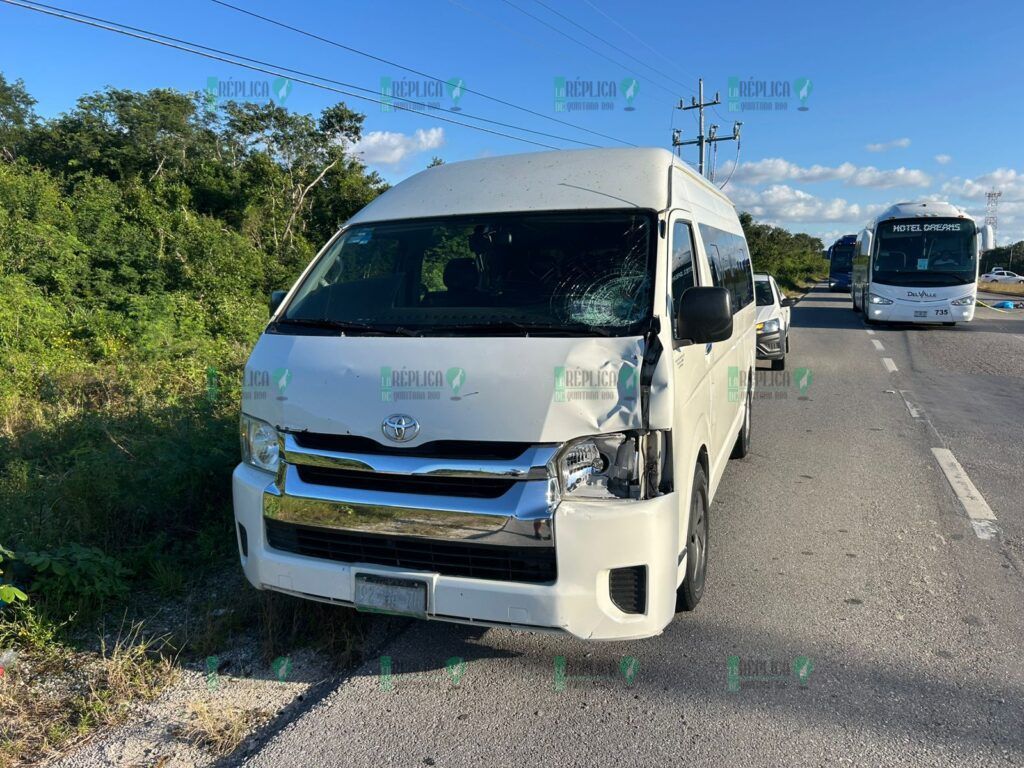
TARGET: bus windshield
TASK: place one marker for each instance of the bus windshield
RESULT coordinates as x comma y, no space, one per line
842,258
932,252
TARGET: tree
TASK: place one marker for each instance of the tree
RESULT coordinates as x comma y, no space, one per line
17,115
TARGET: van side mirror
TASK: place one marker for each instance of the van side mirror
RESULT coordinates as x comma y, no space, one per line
864,243
276,297
788,302
988,238
704,315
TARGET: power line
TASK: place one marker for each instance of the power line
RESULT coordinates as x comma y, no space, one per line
609,44
642,42
591,48
237,60
417,72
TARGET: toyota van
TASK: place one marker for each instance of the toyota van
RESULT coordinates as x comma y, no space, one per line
504,394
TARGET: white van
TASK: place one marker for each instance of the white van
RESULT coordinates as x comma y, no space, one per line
505,394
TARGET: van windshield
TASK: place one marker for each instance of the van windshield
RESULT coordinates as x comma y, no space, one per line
553,273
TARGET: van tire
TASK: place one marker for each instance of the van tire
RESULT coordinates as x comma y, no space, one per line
780,364
691,590
742,446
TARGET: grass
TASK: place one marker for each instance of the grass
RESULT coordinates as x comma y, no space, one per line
219,728
1010,289
52,695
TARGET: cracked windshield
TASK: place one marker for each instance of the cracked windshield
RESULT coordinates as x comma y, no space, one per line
532,273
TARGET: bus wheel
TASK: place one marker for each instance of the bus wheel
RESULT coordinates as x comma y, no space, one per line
692,589
952,323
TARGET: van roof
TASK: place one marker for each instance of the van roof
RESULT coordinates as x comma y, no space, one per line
545,181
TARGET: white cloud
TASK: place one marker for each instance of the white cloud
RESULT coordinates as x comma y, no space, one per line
776,169
390,148
943,159
781,203
885,146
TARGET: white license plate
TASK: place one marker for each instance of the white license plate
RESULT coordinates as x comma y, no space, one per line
385,594
920,313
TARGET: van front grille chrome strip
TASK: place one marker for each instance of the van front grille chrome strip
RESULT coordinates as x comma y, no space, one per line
531,465
518,518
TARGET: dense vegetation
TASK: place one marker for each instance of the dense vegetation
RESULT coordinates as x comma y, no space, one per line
139,236
794,260
1009,257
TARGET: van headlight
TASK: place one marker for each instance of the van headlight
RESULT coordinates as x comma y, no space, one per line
771,326
874,298
966,301
602,467
260,447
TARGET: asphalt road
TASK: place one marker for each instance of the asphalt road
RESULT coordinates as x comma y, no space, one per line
843,566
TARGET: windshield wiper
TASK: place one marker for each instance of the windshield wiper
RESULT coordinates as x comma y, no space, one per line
346,327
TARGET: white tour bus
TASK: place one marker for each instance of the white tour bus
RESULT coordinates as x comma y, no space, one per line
505,394
918,263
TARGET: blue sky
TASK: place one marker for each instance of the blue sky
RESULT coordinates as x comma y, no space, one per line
906,102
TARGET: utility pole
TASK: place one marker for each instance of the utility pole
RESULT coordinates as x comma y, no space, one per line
702,140
991,209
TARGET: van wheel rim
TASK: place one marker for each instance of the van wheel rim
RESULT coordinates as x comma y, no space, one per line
698,547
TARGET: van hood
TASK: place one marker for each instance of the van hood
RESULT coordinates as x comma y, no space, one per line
534,390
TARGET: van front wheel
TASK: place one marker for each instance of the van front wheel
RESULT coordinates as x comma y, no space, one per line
691,590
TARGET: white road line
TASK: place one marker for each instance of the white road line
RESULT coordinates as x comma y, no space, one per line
970,497
869,332
915,412
890,366
878,345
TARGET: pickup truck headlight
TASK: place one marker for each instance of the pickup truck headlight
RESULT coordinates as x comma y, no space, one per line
771,326
874,298
602,467
966,301
259,444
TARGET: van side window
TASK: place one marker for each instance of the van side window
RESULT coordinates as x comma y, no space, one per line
682,259
730,264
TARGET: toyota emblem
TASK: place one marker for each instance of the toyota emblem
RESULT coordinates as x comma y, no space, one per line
400,428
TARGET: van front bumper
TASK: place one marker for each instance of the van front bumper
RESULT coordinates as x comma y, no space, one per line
770,346
593,538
